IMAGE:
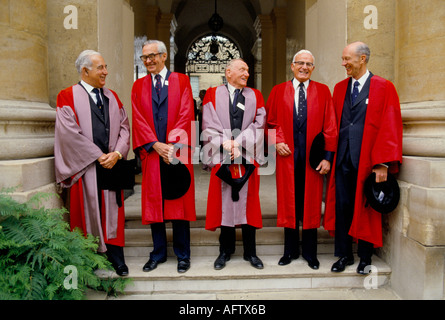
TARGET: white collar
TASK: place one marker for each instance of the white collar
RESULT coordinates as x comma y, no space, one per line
362,79
296,84
163,75
87,86
232,88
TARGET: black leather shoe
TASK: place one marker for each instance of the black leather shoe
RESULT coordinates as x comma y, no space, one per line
122,270
362,266
255,262
286,259
313,263
152,264
220,262
183,265
341,264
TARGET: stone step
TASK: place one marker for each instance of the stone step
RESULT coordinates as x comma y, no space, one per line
239,276
200,237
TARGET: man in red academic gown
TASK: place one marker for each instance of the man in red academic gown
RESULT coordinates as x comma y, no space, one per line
370,140
234,118
92,131
298,110
163,110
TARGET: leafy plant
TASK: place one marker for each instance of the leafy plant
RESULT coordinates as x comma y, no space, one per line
41,259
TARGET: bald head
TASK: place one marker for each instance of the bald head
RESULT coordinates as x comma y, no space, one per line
355,59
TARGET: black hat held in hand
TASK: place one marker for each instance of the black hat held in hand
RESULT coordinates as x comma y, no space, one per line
175,180
383,197
235,175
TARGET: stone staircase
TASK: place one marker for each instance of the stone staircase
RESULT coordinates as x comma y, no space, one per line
238,277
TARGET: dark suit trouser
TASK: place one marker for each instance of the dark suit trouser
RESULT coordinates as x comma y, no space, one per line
346,184
181,240
292,236
227,240
115,255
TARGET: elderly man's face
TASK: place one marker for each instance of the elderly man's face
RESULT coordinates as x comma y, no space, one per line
354,63
98,73
238,74
302,66
154,61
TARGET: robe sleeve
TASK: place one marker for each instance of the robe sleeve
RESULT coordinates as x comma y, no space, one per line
73,152
275,131
181,133
330,124
212,130
143,133
388,144
251,139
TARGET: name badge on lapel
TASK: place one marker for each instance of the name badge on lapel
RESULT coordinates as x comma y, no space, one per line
367,100
240,105
166,83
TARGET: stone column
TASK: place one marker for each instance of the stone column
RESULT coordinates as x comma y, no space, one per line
265,30
26,119
281,62
164,34
151,24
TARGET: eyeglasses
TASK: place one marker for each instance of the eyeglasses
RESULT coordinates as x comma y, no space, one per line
151,56
302,63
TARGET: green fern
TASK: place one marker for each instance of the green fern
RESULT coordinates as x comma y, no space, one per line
36,247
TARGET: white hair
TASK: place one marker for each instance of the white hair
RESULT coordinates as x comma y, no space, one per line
303,51
161,45
84,60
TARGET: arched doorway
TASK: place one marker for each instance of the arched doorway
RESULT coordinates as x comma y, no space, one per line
207,58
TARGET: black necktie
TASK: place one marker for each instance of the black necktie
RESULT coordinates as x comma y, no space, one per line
235,99
355,92
302,103
99,102
158,85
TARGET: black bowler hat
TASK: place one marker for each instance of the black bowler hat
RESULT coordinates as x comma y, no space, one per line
175,180
317,153
383,197
235,175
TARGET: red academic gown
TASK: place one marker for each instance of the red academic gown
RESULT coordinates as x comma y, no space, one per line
254,118
320,117
179,130
72,172
381,143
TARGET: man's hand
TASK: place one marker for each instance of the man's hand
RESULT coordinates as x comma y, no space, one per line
228,145
165,151
381,173
324,167
109,160
234,153
283,149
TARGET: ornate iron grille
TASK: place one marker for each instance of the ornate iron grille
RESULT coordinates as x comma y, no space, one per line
211,54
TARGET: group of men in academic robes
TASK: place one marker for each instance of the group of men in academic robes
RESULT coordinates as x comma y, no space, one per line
360,125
